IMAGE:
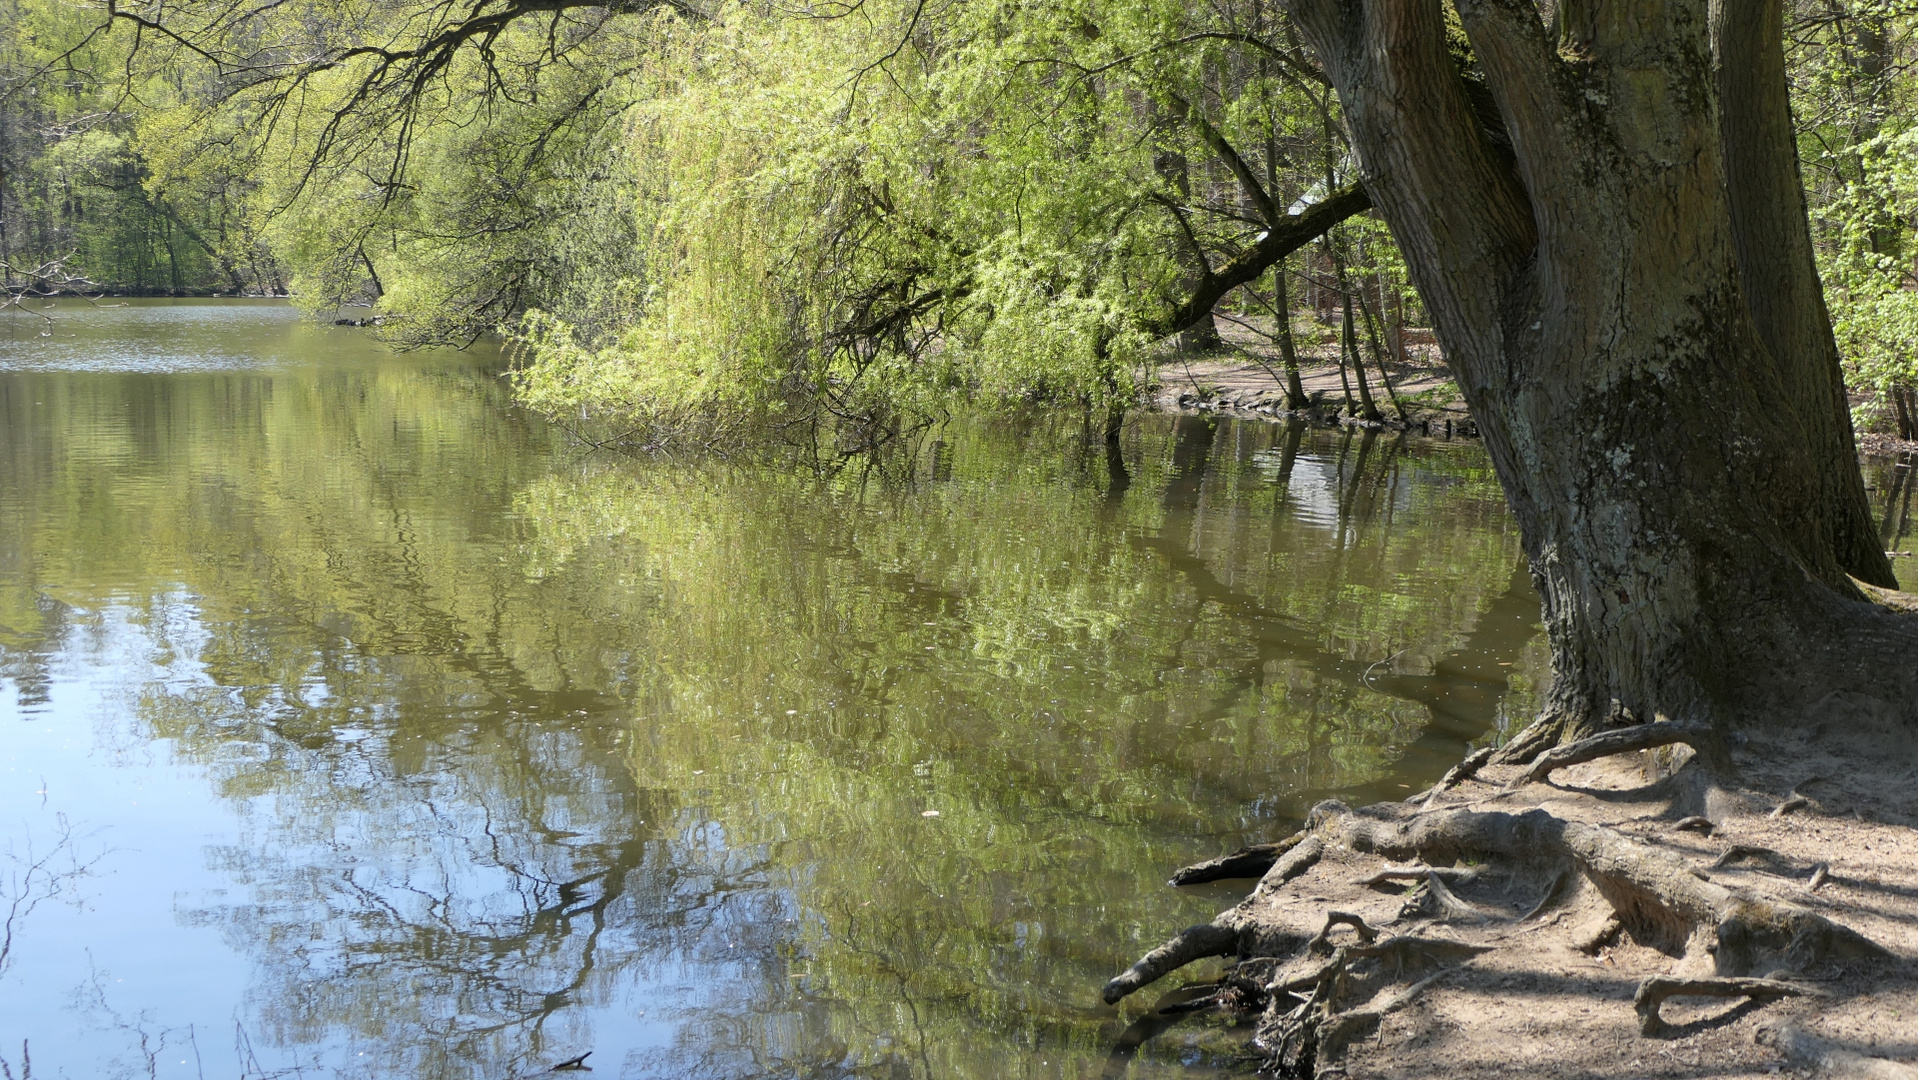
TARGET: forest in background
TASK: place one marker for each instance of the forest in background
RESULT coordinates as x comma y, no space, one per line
685,217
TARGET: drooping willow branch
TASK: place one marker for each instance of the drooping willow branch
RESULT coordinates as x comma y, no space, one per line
55,277
395,64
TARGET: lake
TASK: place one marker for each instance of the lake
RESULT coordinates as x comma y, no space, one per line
356,723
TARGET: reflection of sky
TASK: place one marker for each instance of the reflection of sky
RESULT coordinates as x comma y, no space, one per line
175,873
147,825
1313,494
170,336
356,778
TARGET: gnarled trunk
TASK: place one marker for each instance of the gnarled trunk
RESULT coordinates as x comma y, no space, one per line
1681,470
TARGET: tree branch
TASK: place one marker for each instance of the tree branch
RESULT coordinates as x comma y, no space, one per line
1248,181
1290,233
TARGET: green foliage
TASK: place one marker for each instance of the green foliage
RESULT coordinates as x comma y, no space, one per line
76,180
1853,93
734,212
1870,267
1000,209
694,216
744,211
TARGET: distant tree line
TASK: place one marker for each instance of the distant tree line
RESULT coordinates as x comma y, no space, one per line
856,210
76,187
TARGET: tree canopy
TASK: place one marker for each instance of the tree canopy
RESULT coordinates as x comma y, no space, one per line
740,206
866,209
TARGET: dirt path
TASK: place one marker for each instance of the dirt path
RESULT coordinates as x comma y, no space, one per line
1223,382
1249,378
1498,907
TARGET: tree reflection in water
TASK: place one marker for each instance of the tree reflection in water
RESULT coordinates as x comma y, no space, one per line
524,744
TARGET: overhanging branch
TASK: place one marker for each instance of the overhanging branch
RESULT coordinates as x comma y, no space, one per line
1291,233
1248,181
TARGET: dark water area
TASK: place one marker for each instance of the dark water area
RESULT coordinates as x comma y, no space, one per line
1890,482
355,723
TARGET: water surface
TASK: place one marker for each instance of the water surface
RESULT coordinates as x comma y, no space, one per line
389,734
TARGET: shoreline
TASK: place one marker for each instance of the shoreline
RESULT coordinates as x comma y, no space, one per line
1229,386
1524,968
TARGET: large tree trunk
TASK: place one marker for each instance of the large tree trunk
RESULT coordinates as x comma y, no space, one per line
1681,471
1777,270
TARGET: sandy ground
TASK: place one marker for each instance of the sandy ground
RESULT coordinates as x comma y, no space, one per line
1210,383
1536,1005
1883,445
1248,377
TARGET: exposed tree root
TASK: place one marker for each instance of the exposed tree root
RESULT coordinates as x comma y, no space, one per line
1658,895
1316,1031
1754,853
1290,865
1313,1009
1234,993
1399,955
1247,862
1796,802
1195,943
1456,875
1443,905
1621,741
1796,799
1534,739
1463,771
1653,992
1321,943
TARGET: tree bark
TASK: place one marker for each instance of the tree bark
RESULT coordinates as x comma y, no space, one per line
1687,500
1777,269
1349,348
1295,398
1380,358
